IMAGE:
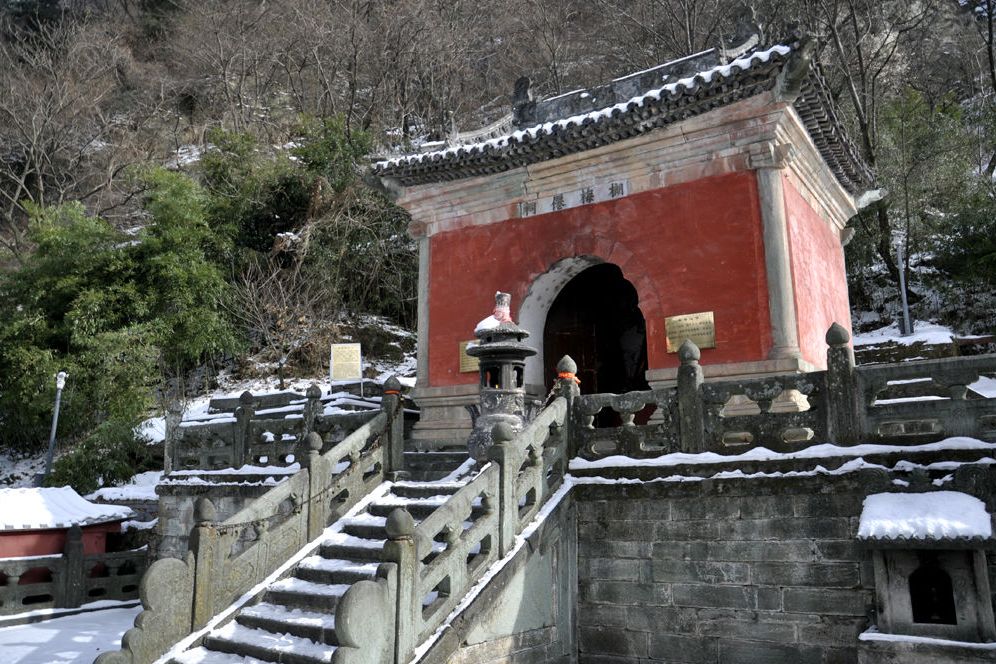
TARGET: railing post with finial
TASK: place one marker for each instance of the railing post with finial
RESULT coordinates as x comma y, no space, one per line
502,453
568,387
394,450
171,443
73,570
243,417
402,548
318,477
204,546
312,408
845,416
691,427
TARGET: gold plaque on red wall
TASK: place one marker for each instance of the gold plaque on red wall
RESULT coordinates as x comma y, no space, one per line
700,328
467,363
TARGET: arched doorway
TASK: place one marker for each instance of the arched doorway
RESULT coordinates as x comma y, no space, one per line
596,319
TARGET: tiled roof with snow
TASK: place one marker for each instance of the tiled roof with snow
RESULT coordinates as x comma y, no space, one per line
931,516
666,104
53,508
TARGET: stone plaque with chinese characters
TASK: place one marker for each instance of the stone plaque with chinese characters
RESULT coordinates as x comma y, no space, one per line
346,362
593,193
467,363
700,328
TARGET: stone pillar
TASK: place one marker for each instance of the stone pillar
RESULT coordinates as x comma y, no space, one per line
240,438
171,449
691,430
401,548
317,477
312,408
204,545
567,387
394,443
845,412
769,160
74,570
508,474
422,341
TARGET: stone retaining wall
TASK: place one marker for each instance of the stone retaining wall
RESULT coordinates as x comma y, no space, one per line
734,571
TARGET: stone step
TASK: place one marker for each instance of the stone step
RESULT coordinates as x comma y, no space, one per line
298,593
279,619
365,531
334,571
349,547
425,490
201,655
266,646
429,466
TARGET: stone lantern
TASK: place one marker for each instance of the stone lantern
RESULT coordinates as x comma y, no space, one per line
502,358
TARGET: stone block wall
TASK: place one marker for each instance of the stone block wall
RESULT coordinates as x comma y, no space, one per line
733,571
176,510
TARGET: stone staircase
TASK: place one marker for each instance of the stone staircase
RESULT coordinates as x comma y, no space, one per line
293,621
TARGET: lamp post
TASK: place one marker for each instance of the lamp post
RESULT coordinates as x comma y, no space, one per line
60,383
899,241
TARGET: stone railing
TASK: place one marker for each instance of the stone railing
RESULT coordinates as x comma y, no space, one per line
255,436
843,405
441,558
228,558
69,579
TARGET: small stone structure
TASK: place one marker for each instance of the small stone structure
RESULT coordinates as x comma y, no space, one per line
501,355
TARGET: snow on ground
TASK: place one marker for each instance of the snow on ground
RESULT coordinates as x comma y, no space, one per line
923,331
73,639
140,487
19,471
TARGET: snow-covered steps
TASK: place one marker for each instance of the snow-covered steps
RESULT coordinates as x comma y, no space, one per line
279,619
202,655
308,595
334,571
294,621
267,646
344,546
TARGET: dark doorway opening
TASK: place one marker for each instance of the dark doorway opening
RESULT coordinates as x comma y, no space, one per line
596,319
931,594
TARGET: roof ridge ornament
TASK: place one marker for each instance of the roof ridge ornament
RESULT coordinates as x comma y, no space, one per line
790,81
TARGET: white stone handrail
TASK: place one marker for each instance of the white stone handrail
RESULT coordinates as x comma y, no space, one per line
228,558
442,558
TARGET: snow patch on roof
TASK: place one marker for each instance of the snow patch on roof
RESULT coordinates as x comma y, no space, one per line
935,515
51,508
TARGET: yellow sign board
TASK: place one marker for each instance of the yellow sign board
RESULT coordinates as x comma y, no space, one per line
346,362
700,328
468,363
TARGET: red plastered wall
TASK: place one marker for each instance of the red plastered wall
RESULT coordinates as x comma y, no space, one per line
819,277
45,542
687,248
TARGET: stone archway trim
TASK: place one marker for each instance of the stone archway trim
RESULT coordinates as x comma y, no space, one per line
580,254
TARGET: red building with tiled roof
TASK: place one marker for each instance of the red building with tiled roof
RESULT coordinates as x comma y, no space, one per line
706,198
